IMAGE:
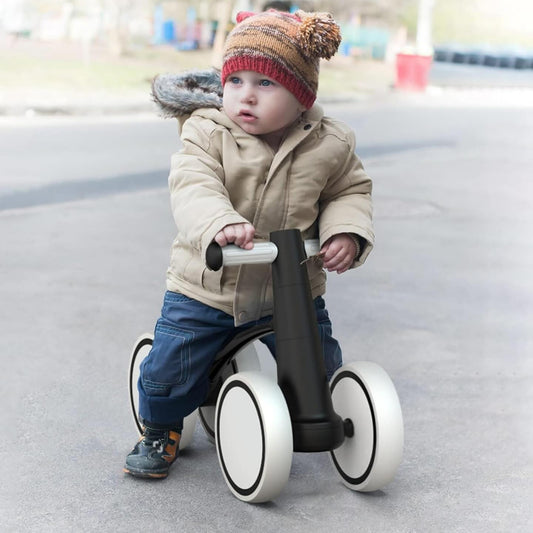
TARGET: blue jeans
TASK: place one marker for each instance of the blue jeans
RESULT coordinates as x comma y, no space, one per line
174,376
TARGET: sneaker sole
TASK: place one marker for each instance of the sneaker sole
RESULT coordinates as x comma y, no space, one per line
145,474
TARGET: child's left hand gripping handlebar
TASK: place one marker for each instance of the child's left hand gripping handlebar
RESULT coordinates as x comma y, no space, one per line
262,253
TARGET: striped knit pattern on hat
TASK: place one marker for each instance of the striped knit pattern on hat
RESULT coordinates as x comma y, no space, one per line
282,46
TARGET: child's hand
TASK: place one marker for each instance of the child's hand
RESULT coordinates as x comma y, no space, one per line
338,253
239,234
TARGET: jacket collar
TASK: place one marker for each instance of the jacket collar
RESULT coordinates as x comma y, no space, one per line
305,126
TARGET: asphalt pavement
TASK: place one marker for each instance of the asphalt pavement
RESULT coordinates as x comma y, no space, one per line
444,304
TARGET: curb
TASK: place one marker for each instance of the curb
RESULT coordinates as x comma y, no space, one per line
143,105
31,109
65,106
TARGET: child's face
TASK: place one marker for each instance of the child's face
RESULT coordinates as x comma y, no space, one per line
260,105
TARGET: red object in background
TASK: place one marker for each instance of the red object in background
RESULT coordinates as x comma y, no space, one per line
412,71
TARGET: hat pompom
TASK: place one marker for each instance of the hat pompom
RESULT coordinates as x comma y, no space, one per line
320,35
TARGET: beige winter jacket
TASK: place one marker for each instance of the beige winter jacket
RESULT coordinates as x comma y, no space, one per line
222,175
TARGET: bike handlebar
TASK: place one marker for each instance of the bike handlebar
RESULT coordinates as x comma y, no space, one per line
262,253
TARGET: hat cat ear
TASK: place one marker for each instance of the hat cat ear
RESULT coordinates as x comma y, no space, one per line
242,15
319,35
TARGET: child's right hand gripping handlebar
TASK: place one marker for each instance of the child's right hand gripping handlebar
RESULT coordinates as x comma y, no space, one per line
262,253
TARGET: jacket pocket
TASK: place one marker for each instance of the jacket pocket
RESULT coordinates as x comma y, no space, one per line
211,280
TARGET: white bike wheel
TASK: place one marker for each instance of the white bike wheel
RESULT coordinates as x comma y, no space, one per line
253,437
140,351
187,433
364,395
246,359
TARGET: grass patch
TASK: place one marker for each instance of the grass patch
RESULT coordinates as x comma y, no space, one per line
22,68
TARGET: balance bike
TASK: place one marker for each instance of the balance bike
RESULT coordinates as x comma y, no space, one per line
257,423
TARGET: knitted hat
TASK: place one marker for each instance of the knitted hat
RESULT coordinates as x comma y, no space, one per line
283,46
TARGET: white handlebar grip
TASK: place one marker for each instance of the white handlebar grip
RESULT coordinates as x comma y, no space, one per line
312,247
261,253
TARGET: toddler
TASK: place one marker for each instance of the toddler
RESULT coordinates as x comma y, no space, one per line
258,155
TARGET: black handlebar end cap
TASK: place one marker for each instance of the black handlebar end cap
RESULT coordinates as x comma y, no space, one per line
213,257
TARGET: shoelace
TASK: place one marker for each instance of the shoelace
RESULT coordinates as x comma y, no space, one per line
154,438
158,444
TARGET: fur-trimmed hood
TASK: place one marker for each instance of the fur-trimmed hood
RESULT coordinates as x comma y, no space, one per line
178,95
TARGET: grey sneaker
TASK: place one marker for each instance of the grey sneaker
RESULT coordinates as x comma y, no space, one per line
152,456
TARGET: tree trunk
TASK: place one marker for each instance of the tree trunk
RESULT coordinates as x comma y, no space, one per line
223,20
424,39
